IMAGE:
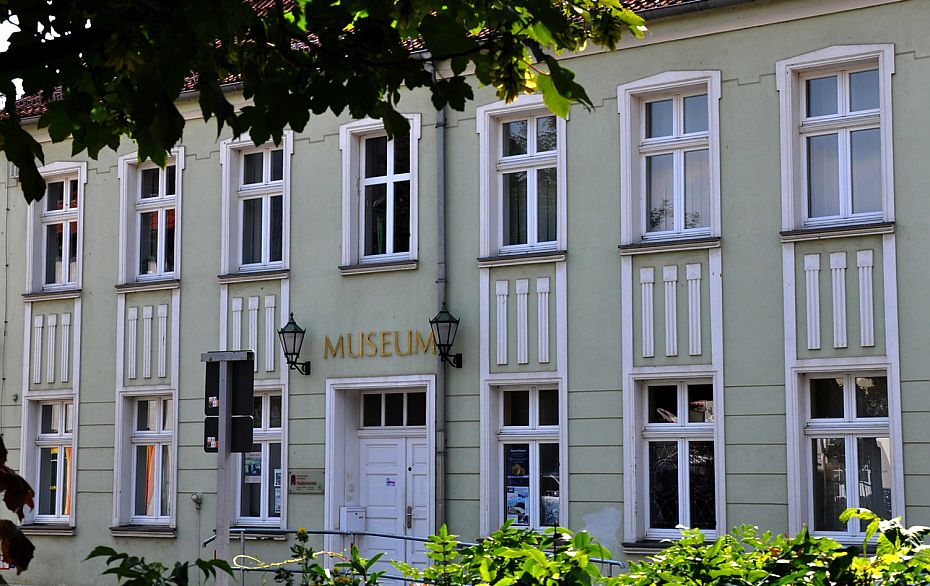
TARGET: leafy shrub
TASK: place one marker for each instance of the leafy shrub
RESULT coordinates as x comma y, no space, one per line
352,571
136,571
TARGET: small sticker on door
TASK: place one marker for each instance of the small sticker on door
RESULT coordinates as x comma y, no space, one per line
390,482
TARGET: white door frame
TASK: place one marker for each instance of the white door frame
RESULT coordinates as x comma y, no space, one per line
341,427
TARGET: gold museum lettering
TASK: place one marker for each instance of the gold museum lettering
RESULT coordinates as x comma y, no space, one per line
379,344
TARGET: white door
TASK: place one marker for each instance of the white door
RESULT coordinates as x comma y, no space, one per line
394,473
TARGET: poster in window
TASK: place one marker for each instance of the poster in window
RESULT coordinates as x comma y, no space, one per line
252,467
277,477
277,500
517,483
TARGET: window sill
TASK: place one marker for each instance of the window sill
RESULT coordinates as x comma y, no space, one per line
247,276
258,533
523,258
645,546
151,285
379,267
47,529
158,531
841,231
672,245
52,295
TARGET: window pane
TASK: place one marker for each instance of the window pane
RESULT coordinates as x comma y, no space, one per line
274,411
72,250
866,154
700,403
51,418
863,90
402,216
257,411
545,134
145,481
821,96
252,231
148,183
659,119
697,189
167,414
515,138
871,396
148,243
73,194
663,404
66,475
277,165
253,168
829,462
274,480
55,196
663,485
823,176
416,408
165,502
660,193
696,114
171,180
169,240
393,409
517,408
371,410
702,493
277,228
69,417
514,208
875,475
146,413
375,219
548,485
376,156
548,407
546,206
53,253
48,478
250,487
826,398
402,154
517,483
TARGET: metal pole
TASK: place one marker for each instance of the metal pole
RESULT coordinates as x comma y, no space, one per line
222,466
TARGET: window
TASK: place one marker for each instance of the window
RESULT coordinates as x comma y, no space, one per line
55,229
256,205
260,480
393,409
379,193
150,200
522,178
54,452
530,457
152,469
678,450
836,136
848,450
670,185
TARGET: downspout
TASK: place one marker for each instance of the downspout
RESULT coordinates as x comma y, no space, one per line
440,302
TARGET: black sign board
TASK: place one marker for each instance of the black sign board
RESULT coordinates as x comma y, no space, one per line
240,394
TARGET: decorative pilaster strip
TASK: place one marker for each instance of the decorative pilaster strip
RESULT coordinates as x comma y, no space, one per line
162,340
147,341
253,329
523,288
65,347
647,282
542,318
270,334
37,324
52,323
866,298
670,277
693,272
236,323
812,279
132,341
502,289
838,274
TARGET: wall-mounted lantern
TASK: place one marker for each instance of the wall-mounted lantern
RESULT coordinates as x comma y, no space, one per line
292,338
444,326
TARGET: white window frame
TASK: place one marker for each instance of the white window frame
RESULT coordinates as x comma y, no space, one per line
490,121
38,218
264,436
634,147
352,138
382,426
791,75
132,206
33,453
232,152
164,440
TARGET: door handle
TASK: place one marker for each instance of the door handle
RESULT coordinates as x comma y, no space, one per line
409,517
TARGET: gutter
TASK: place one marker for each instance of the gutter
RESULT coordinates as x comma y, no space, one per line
688,8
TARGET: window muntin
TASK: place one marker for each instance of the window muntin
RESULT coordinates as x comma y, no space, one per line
849,446
261,208
155,218
393,409
54,453
261,487
152,468
530,456
678,449
385,208
59,225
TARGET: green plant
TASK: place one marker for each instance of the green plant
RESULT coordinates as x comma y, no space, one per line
352,571
136,571
901,556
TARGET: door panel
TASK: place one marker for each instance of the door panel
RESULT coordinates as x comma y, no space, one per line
418,462
383,494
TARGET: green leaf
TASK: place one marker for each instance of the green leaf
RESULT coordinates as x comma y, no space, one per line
556,102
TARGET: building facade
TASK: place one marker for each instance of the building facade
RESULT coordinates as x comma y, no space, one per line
699,303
